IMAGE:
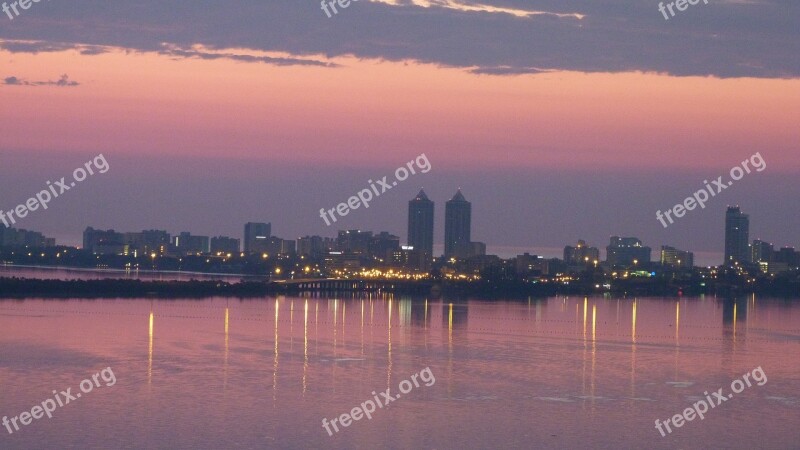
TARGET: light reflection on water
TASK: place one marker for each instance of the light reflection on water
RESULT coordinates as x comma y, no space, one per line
563,372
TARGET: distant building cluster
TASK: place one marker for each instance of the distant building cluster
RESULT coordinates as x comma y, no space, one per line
351,249
155,243
740,252
382,253
11,237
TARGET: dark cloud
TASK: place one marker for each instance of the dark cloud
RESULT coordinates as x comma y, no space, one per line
166,49
63,81
192,53
725,38
506,70
44,47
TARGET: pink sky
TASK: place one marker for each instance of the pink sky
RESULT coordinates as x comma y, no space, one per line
367,111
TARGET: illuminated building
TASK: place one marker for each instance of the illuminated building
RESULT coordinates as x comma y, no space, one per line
737,232
457,227
420,223
761,251
627,251
186,244
581,254
678,259
256,237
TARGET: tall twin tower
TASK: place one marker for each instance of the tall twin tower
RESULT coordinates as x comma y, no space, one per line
457,222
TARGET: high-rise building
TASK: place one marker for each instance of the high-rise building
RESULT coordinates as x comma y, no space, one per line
382,245
527,264
256,237
788,256
678,259
104,242
186,244
737,233
627,251
273,246
761,251
289,247
315,246
354,241
457,227
310,246
581,254
343,262
420,223
410,259
224,244
147,242
477,249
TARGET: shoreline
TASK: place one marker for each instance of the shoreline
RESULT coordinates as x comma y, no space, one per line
127,271
21,288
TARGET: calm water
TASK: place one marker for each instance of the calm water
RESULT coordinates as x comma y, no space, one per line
558,373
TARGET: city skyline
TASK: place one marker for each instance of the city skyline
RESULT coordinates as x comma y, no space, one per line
258,238
541,223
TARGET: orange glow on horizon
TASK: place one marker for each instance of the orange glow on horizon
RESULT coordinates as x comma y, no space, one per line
368,111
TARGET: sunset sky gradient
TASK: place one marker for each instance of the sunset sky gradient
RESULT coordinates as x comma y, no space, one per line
559,120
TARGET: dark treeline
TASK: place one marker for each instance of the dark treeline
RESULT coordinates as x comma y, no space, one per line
507,289
27,287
